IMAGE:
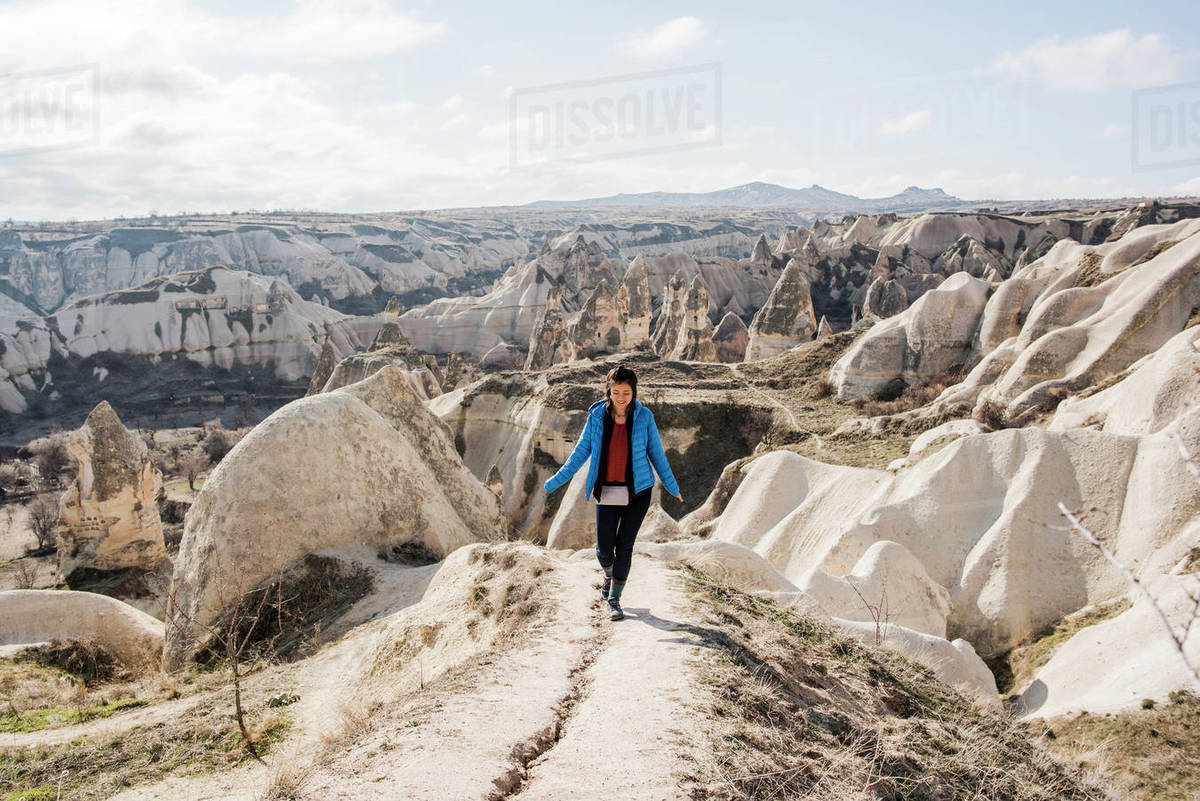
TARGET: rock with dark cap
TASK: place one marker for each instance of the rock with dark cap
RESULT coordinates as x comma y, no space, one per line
109,515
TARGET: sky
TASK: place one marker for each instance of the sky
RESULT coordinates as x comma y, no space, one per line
130,107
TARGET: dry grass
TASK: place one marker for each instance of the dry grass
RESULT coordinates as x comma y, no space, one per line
802,712
911,397
202,739
1146,754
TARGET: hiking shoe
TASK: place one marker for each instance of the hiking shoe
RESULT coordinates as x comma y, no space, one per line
614,609
604,588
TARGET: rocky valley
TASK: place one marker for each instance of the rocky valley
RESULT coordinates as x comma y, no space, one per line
939,534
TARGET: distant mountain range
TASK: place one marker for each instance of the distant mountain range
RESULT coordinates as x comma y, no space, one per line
760,195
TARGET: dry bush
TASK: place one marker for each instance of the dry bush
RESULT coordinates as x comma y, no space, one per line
289,780
52,460
87,660
913,396
801,711
217,442
991,414
25,573
43,520
11,476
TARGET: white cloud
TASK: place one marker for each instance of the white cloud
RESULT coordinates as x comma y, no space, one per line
162,33
1188,188
1114,60
452,103
344,30
906,123
1114,131
666,40
486,70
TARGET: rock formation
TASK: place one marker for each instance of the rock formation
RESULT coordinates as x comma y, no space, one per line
237,327
600,326
638,308
694,342
109,514
824,329
326,363
932,335
762,251
731,338
33,617
365,464
787,318
391,346
507,314
971,256
549,345
884,298
670,317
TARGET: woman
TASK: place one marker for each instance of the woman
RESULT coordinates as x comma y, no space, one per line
622,441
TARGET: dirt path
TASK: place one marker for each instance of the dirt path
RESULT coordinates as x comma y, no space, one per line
626,737
580,707
585,708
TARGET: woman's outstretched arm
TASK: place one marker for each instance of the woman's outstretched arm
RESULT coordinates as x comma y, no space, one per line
659,458
583,449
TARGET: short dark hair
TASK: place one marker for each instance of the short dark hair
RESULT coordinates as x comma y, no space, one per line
620,375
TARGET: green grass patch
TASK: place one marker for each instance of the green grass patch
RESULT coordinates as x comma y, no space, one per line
201,740
54,717
36,794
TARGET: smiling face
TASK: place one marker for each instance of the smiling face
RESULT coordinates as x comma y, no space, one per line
621,395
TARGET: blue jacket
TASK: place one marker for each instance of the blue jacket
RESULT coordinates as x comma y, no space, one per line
646,449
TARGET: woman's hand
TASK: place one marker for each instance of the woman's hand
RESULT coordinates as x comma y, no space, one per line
680,497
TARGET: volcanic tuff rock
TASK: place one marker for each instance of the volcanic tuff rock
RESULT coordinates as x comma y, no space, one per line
109,513
236,323
670,317
731,338
885,298
992,499
638,302
351,266
787,318
365,464
694,342
1098,311
508,312
390,347
41,616
931,336
600,326
549,345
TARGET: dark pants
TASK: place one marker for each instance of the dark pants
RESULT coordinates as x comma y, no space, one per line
616,530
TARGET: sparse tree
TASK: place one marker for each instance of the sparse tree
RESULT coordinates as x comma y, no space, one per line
52,460
25,573
43,519
235,632
10,477
216,442
192,466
